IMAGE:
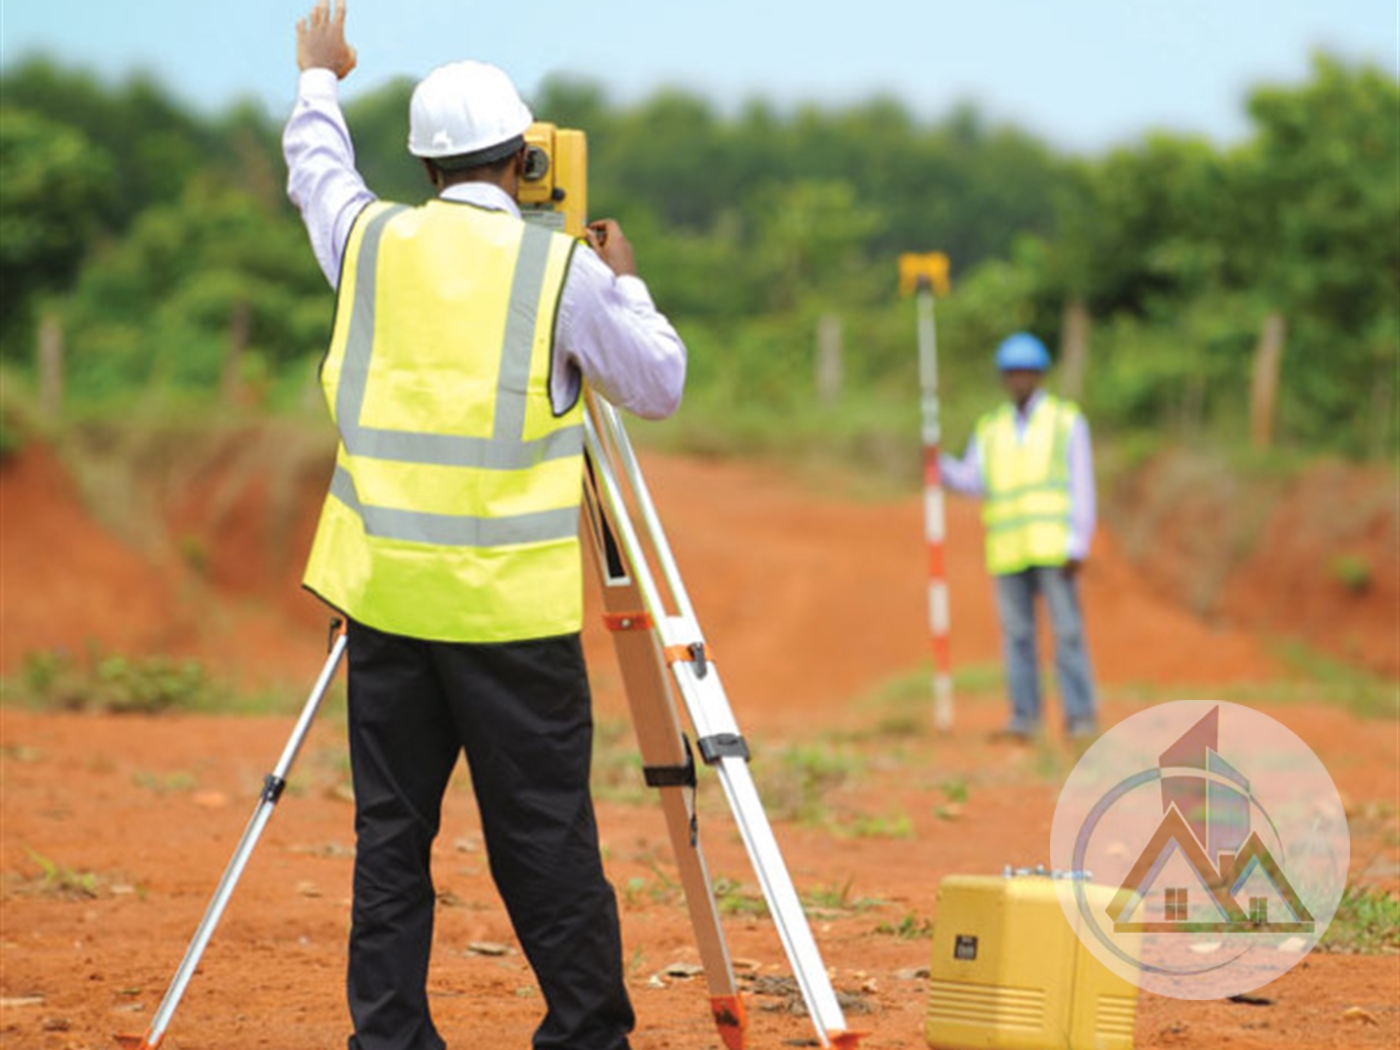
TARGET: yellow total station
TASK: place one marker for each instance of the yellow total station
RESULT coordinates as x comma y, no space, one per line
554,186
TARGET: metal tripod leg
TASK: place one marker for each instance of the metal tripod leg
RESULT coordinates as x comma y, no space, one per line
273,785
670,656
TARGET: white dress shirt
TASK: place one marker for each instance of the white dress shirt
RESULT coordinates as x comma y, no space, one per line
965,475
608,331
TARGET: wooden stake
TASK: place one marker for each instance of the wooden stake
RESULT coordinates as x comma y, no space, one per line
1268,356
51,364
1074,349
240,328
830,369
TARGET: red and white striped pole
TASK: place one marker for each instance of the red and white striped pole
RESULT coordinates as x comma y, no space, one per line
926,275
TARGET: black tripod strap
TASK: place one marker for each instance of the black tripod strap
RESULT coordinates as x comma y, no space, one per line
673,776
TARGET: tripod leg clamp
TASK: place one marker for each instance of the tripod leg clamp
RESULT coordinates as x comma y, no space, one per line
696,654
273,786
723,745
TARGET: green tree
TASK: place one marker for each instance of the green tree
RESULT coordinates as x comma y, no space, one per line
1325,170
158,308
53,188
1324,176
1144,226
670,154
378,122
154,145
810,236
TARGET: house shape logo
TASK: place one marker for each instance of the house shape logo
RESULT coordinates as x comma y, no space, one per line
1205,869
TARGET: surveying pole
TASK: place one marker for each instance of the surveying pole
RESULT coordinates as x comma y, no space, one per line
925,276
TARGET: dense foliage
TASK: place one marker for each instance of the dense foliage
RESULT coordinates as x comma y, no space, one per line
165,247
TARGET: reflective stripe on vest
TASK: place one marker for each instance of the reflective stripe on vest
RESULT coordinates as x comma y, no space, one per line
1027,508
430,531
454,530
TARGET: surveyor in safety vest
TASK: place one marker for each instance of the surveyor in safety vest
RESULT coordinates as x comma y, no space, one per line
1030,460
449,539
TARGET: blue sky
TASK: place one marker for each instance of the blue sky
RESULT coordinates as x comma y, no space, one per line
1084,74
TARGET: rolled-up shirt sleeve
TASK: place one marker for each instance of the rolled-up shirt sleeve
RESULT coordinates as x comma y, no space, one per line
963,476
611,334
321,177
1083,500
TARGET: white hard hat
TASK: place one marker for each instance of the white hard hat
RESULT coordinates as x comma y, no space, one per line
466,109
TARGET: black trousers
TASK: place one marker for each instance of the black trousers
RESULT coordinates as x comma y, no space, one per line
523,714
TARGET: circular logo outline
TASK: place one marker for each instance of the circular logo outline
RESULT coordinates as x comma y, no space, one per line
1146,955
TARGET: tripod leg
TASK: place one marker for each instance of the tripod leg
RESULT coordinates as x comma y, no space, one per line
670,768
273,785
724,749
678,657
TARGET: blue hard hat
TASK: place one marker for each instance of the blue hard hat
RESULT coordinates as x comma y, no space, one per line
1022,351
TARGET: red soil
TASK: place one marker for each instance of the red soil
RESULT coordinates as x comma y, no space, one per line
810,602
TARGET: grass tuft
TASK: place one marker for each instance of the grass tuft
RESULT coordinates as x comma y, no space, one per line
732,898
910,928
797,787
837,900
1367,922
58,880
113,683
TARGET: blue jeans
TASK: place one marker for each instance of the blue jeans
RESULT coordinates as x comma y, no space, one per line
1016,593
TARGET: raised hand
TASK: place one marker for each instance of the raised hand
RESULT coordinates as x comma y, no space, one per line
321,41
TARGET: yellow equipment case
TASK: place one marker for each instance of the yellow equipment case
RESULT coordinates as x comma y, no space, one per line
1009,972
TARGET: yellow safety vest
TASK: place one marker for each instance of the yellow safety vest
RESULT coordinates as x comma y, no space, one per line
1027,507
453,512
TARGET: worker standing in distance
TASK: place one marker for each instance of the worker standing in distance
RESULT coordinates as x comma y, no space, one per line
1031,461
449,538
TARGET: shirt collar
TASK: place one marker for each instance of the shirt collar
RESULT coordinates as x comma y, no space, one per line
1031,404
483,195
